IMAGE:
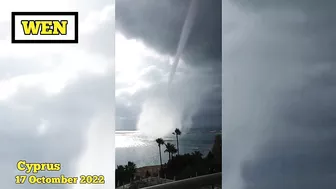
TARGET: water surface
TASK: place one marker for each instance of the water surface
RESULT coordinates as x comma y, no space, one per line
143,151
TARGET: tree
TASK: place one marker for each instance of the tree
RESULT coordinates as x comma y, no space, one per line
210,155
130,168
170,148
120,175
125,173
217,152
174,151
197,154
160,142
177,133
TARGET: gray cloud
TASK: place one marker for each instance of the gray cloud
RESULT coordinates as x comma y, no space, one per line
103,40
159,25
39,126
279,94
69,115
13,67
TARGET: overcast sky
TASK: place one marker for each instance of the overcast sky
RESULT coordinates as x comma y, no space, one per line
148,33
279,86
279,94
56,101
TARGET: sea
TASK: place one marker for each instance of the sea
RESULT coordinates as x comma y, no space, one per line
144,151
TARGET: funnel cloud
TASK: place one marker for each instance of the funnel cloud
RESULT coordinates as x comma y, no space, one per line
187,26
185,37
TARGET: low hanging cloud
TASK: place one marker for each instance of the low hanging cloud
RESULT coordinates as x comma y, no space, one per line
168,107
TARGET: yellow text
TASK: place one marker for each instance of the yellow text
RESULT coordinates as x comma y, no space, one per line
92,179
22,165
33,179
44,27
20,179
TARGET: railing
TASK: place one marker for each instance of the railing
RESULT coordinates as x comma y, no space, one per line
196,182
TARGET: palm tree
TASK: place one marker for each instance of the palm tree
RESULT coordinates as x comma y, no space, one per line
160,142
120,175
177,133
130,169
170,148
173,151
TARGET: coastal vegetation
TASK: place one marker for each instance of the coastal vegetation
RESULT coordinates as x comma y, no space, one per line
178,166
193,164
125,173
177,132
160,142
170,149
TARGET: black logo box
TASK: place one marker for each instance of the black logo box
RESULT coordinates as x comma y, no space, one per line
75,14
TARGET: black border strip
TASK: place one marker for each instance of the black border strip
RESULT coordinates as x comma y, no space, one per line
75,14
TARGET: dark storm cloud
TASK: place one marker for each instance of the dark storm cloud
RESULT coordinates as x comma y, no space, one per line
317,28
293,52
159,25
210,113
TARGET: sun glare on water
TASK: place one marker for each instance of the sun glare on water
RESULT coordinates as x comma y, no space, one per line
124,139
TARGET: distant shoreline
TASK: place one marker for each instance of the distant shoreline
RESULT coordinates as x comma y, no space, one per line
195,130
152,169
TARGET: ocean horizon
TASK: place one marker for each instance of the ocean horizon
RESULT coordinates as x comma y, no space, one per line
131,145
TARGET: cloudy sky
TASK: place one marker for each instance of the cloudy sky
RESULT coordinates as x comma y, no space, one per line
279,94
147,38
278,87
55,100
